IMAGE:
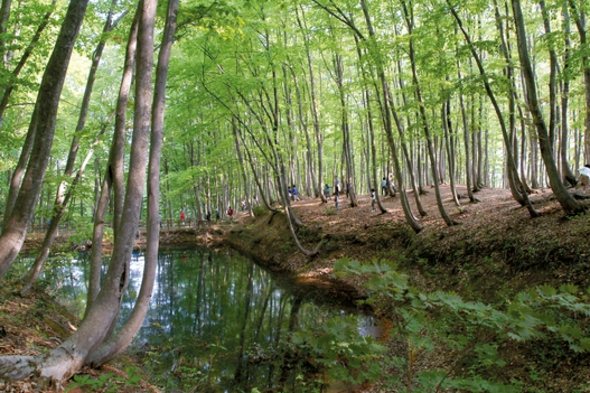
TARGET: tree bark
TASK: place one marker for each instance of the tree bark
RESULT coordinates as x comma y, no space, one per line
113,177
118,343
516,187
580,19
63,361
565,89
61,199
13,237
567,202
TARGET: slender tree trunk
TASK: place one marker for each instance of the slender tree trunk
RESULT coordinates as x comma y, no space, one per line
51,234
565,89
118,343
449,143
347,148
241,161
429,141
387,112
567,202
580,19
466,132
516,186
61,200
14,235
113,178
4,17
61,362
315,113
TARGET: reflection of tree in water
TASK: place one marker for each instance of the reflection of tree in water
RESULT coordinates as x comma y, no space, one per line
225,317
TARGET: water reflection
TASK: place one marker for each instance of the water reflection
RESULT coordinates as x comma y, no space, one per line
220,320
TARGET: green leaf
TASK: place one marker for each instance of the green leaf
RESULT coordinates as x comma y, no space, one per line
547,290
569,288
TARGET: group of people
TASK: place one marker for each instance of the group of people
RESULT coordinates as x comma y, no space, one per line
583,182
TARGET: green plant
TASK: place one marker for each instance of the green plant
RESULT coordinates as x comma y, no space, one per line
330,211
340,351
469,333
105,382
259,210
89,383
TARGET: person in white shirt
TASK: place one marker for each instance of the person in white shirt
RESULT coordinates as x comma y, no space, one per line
584,179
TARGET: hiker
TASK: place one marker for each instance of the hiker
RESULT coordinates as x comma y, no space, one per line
336,186
182,217
373,200
217,215
290,193
584,178
384,186
295,193
327,191
244,206
230,213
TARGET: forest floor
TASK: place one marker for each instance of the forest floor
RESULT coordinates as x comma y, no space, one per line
496,250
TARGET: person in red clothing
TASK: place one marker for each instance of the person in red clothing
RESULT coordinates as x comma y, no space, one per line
182,217
230,213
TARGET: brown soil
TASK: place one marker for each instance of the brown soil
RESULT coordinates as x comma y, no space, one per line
496,249
525,251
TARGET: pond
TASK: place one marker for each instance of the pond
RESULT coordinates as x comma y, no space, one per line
218,322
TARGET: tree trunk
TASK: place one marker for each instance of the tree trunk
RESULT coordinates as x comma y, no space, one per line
580,19
567,202
315,114
63,361
516,186
429,141
118,343
388,111
565,89
113,177
13,237
61,199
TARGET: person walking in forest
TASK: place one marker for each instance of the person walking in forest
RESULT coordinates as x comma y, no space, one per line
243,206
336,186
182,217
217,215
295,193
384,186
373,201
584,179
230,213
327,191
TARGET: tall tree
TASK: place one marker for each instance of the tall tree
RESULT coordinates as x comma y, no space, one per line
61,200
567,202
46,108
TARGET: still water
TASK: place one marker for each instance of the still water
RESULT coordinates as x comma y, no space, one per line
218,322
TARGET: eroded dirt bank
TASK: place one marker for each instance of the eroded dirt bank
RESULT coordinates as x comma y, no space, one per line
496,246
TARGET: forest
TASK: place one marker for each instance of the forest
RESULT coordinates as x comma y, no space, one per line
120,114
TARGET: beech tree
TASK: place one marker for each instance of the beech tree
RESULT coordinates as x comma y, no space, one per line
41,132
